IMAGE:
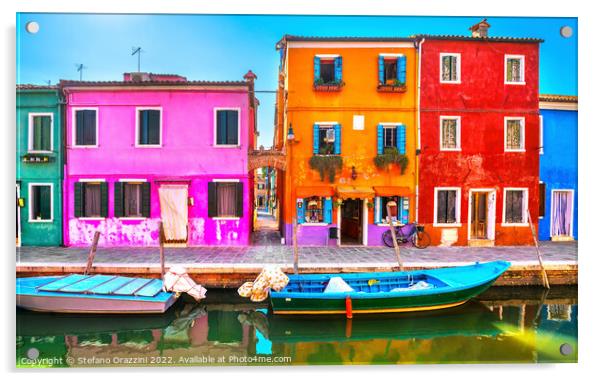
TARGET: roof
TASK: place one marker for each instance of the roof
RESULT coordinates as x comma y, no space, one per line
288,38
558,98
73,83
470,38
27,86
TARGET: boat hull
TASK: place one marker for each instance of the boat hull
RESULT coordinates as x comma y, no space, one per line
451,291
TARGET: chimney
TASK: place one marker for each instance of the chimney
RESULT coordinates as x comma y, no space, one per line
250,77
480,29
136,77
150,77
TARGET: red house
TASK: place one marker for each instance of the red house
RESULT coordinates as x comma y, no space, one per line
479,138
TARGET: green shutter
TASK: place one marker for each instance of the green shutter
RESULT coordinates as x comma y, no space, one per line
37,133
78,201
118,200
46,128
239,199
104,199
212,199
145,208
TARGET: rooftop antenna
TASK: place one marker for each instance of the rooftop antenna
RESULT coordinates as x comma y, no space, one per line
137,50
80,68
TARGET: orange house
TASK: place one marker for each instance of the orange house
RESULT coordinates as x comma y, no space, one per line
341,103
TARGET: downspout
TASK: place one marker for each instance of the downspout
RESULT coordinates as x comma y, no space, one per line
63,102
418,149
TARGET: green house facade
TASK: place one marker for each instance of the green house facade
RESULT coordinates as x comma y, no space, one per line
39,168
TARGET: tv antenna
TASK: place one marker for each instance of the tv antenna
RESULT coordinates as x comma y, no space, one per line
137,50
80,69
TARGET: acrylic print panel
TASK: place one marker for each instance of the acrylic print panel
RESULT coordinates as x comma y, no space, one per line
160,154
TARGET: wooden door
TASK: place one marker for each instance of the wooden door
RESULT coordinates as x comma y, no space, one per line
479,215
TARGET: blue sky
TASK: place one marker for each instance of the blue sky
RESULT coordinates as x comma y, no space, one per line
224,47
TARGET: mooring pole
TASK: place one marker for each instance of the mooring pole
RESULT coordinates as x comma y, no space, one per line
544,275
295,249
391,204
161,250
92,252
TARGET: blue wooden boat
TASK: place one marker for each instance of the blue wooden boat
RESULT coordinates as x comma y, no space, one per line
106,294
387,291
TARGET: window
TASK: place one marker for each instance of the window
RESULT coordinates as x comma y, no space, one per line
314,210
542,199
40,133
260,186
225,199
447,206
515,206
390,137
328,69
450,68
86,132
149,127
514,134
515,69
450,133
392,69
226,126
40,200
132,199
400,212
326,140
91,199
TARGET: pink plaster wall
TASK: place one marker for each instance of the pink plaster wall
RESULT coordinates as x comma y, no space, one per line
187,154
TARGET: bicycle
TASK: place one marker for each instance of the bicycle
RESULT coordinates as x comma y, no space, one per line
413,233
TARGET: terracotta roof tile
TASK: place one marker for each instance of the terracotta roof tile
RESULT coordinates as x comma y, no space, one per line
558,98
470,38
27,86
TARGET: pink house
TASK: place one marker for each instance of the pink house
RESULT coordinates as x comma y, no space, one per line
158,148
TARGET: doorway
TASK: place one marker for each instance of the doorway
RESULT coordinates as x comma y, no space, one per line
18,238
482,214
562,215
174,213
352,222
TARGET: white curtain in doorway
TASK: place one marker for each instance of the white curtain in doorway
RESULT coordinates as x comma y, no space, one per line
174,211
562,213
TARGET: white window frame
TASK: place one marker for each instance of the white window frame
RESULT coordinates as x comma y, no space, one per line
131,181
137,127
522,69
215,110
29,194
458,222
458,57
525,207
541,134
226,181
30,117
74,127
389,126
522,133
572,192
92,181
458,120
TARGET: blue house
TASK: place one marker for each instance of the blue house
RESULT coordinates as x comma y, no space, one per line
558,168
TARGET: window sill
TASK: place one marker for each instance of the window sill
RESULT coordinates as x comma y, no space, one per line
391,89
515,150
40,152
148,146
328,88
450,82
522,224
132,218
226,146
314,224
39,221
84,147
91,218
515,83
451,149
454,225
225,218
387,225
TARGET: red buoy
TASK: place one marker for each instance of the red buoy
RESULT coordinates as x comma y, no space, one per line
348,308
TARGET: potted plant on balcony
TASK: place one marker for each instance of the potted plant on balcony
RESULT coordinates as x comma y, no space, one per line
326,165
389,157
321,85
395,86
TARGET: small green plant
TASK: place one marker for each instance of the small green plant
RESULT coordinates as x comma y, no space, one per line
391,155
326,165
397,83
319,81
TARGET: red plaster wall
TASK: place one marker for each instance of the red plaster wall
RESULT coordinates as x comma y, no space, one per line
482,100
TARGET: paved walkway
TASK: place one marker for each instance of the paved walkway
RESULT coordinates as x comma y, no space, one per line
266,233
253,256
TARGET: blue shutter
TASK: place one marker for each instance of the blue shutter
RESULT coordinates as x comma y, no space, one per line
338,69
337,139
381,69
316,68
300,211
380,139
377,210
316,139
328,210
404,210
401,138
401,69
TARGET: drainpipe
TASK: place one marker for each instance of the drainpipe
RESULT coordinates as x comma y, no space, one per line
418,148
64,201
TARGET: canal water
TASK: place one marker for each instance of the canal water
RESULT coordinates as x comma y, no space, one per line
505,325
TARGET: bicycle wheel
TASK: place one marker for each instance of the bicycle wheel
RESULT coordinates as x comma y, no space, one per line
421,240
387,238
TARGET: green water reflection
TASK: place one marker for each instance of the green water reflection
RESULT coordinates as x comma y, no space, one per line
518,325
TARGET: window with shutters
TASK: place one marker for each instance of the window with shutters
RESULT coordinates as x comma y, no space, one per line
314,209
227,129
514,134
390,136
148,127
40,202
450,68
450,133
40,132
225,199
384,200
132,199
390,70
328,70
85,127
327,139
515,206
447,206
515,69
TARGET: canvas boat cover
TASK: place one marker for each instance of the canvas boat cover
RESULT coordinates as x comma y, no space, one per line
104,285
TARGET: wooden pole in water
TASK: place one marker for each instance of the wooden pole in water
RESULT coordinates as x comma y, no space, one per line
544,275
161,250
391,204
295,249
92,252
